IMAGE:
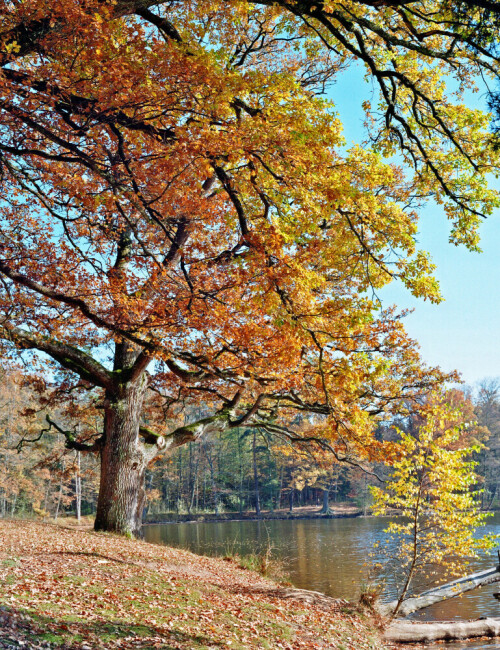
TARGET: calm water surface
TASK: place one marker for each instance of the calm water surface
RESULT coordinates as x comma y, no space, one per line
327,555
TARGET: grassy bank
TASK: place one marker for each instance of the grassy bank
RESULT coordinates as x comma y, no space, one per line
78,589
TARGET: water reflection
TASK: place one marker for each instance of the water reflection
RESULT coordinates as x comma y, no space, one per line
327,555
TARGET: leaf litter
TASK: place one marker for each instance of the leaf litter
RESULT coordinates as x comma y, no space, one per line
66,588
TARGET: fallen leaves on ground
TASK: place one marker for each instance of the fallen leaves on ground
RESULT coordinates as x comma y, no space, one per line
77,589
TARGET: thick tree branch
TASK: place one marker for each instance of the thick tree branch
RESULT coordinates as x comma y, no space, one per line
150,437
164,25
71,441
140,365
234,195
189,376
68,356
220,421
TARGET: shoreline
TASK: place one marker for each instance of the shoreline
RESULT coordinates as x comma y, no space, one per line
81,590
305,513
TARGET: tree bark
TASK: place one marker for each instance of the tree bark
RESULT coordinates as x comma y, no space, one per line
193,478
413,632
255,476
123,463
78,487
14,502
3,503
449,590
60,494
325,509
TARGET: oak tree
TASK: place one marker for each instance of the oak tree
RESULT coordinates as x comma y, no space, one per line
186,237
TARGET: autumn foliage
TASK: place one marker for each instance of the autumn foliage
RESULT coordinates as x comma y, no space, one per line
188,237
78,589
434,488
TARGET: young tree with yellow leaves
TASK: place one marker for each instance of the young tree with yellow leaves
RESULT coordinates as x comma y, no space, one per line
433,490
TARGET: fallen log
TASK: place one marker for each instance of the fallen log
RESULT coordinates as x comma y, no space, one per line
448,590
410,632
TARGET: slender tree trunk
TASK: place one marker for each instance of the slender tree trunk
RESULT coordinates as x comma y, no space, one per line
166,497
255,476
190,485
280,493
493,494
14,502
325,510
78,487
240,462
179,483
193,494
60,495
58,503
123,463
203,503
215,494
194,481
46,499
414,553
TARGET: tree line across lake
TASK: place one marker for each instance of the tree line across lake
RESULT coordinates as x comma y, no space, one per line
240,471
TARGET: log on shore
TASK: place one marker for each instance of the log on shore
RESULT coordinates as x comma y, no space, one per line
449,590
410,632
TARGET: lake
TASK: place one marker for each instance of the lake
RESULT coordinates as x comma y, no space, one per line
327,555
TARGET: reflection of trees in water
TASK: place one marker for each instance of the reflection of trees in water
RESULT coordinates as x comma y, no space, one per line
324,555
330,556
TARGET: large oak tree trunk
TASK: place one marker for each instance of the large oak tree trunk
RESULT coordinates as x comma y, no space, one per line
123,463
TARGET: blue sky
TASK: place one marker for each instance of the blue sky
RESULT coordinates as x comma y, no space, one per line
463,331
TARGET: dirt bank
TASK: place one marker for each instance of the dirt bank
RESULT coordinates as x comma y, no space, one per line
78,589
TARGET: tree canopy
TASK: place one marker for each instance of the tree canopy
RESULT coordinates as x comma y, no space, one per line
185,232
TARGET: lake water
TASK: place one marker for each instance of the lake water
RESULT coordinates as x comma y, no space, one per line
327,555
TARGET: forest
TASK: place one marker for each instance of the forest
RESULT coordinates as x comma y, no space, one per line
244,471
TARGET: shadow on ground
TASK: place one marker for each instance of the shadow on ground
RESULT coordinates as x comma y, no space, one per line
23,628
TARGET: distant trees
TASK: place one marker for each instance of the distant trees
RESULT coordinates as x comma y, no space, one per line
487,403
227,472
38,474
224,472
